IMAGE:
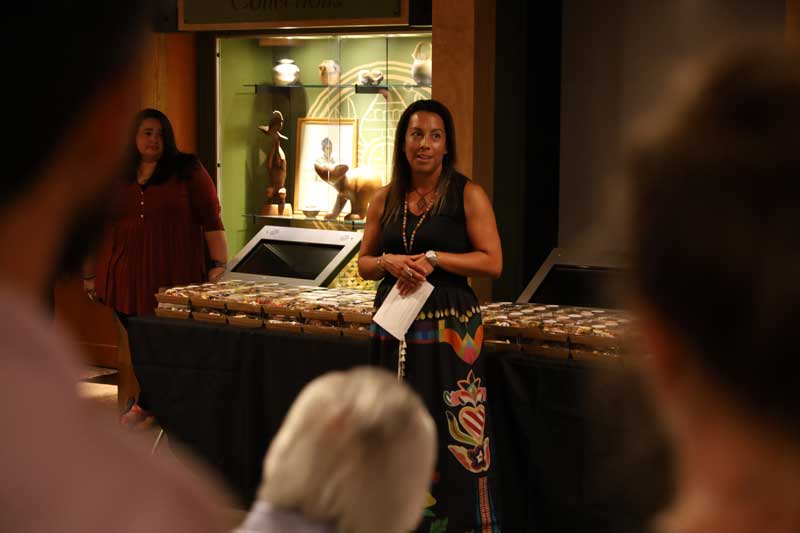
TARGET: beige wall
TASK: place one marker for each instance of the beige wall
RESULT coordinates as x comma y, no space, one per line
168,64
463,70
616,60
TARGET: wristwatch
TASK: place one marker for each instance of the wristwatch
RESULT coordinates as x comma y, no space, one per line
432,258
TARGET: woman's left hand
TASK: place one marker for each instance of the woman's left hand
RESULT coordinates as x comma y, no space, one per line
422,267
215,273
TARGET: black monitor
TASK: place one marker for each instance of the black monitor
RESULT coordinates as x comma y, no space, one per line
579,278
304,260
297,256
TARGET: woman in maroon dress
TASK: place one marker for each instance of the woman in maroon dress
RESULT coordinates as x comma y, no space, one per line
164,212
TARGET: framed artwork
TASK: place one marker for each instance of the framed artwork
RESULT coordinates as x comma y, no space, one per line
322,140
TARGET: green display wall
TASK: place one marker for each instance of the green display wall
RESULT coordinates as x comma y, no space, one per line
246,100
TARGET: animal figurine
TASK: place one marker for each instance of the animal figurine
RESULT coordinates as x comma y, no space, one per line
276,158
370,77
356,185
422,67
329,71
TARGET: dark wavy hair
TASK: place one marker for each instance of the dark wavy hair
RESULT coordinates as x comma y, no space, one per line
400,183
173,162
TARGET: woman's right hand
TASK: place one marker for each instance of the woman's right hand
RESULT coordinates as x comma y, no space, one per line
88,288
405,268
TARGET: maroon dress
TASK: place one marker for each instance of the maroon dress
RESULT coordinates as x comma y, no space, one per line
156,239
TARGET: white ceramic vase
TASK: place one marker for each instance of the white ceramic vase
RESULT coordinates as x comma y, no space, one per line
285,73
422,67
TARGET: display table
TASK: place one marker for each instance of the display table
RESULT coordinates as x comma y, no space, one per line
560,444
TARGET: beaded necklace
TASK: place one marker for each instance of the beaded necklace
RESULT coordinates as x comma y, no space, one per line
408,245
423,200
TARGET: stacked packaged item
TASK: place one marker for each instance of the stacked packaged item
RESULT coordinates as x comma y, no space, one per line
300,309
547,330
557,331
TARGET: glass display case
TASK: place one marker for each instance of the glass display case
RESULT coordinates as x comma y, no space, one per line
306,124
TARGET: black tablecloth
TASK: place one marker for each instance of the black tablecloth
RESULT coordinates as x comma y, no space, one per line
562,437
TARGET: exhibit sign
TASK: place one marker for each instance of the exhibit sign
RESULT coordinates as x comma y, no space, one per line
269,14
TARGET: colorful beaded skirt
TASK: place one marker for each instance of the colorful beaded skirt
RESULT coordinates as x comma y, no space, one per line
442,362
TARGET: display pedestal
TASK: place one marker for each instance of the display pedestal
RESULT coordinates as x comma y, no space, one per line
275,209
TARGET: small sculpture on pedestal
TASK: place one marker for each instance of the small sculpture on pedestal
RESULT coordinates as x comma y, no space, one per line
276,162
356,185
281,208
370,78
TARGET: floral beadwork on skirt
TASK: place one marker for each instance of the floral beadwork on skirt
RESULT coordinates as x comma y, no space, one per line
443,364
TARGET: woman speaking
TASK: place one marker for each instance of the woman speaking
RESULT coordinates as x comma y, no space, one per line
433,224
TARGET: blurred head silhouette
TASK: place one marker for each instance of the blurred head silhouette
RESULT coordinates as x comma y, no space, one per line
714,197
357,451
68,116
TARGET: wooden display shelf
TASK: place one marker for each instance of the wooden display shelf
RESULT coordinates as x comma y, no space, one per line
246,322
170,313
163,298
587,355
244,308
356,318
208,317
555,352
275,310
322,330
355,332
595,341
330,316
198,302
291,327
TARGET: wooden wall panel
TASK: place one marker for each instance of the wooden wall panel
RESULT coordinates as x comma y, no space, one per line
181,89
793,22
168,83
463,70
153,72
92,324
454,70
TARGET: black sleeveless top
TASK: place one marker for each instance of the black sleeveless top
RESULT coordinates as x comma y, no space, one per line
444,231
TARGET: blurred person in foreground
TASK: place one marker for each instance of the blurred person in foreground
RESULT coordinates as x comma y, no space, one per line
61,469
715,218
354,455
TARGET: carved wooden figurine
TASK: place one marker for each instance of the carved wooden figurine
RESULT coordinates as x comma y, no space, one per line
276,158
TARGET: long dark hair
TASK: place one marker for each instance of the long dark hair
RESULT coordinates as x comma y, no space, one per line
172,162
401,170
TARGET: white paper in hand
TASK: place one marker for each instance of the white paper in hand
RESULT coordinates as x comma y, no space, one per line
398,312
